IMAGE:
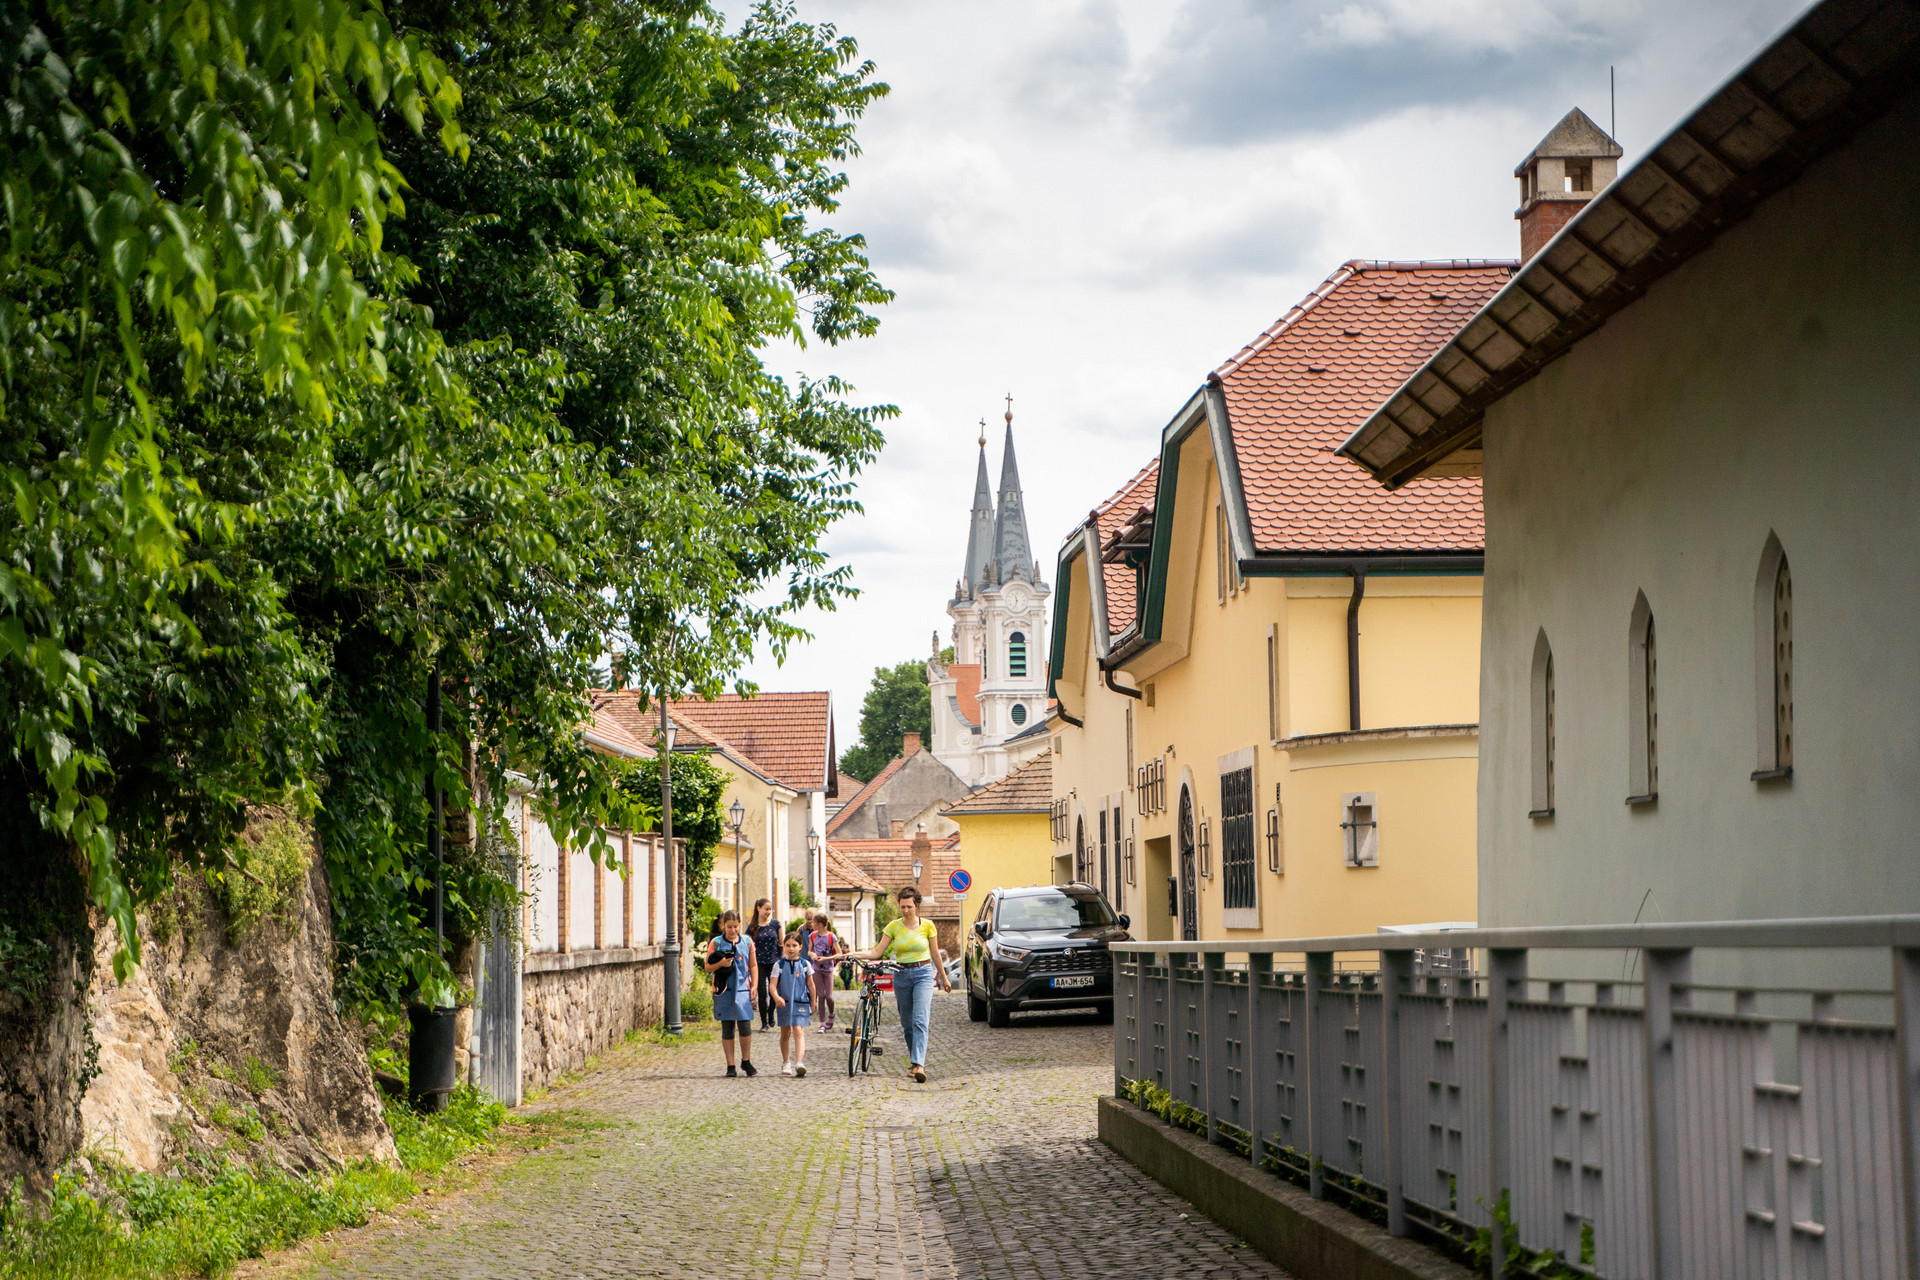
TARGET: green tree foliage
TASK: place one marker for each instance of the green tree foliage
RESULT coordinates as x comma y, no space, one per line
897,703
338,346
699,809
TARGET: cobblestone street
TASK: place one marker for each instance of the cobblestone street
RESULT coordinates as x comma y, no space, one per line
991,1169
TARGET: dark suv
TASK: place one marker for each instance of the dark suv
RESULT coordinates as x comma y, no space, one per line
1041,948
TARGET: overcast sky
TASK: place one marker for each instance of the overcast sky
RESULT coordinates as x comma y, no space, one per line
1090,205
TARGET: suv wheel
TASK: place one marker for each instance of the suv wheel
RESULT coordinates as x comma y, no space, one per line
976,1007
998,1015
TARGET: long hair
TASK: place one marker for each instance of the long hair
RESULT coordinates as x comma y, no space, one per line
757,904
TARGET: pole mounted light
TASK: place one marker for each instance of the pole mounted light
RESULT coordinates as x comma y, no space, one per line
676,891
737,813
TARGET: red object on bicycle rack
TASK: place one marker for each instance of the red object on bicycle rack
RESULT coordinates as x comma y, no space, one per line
883,983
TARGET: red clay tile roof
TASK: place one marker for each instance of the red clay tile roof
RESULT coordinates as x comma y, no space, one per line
1028,789
842,874
1298,391
788,736
775,733
891,863
968,692
859,797
609,728
849,785
1108,519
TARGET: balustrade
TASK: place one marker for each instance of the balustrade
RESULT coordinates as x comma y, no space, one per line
1647,1129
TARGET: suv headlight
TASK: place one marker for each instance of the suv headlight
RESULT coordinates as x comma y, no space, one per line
1005,952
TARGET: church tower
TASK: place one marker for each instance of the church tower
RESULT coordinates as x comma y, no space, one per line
990,702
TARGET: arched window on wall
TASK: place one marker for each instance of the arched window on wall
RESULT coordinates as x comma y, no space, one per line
1773,664
1542,720
1017,655
1643,713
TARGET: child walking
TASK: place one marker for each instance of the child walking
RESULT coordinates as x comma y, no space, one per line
793,1004
730,961
825,950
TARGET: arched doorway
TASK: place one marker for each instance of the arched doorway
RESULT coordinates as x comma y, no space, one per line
1189,882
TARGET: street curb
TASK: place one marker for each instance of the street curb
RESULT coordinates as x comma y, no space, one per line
1305,1236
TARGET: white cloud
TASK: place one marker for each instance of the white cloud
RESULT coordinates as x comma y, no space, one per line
1093,204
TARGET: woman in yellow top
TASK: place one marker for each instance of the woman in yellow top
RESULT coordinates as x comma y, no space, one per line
916,949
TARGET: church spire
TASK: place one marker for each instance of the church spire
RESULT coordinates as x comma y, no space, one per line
980,532
1012,552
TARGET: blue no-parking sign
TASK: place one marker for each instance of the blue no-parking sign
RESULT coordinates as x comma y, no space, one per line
959,881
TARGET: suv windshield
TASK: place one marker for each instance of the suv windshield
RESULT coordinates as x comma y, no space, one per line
1051,911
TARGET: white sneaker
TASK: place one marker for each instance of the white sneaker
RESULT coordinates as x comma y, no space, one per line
800,1069
786,1068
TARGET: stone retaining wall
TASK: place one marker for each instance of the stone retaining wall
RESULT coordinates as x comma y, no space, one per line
575,1004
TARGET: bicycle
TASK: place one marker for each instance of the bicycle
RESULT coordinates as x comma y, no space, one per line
864,1029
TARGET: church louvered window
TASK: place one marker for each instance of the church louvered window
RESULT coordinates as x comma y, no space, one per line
1017,655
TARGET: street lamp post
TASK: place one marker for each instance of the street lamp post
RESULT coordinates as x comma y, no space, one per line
676,911
736,814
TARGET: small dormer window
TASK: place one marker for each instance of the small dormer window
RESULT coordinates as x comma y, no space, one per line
1017,656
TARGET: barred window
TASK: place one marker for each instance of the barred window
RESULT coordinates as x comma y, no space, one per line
1236,839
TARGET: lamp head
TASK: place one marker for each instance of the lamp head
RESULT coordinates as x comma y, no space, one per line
738,813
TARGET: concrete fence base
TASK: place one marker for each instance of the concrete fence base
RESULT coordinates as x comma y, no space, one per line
1305,1236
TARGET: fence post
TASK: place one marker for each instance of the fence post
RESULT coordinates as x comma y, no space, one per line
1320,1041
1504,968
1668,972
1396,972
1120,1022
1210,964
1906,1023
1142,1019
1259,1055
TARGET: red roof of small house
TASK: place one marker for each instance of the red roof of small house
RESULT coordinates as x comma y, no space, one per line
1028,789
1296,393
843,874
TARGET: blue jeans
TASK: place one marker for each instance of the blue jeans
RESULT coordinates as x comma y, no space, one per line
913,995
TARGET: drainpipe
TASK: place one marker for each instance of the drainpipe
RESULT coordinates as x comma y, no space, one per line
1359,572
1106,674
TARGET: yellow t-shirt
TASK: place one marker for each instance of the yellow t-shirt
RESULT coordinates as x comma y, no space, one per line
910,945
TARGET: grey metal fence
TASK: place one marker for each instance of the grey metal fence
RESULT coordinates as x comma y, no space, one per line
1658,1128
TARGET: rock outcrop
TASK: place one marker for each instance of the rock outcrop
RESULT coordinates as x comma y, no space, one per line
229,1045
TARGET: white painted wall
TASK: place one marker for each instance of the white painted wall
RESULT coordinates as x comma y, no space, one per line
1772,383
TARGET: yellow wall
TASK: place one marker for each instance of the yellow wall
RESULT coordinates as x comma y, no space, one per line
1003,851
766,809
1419,666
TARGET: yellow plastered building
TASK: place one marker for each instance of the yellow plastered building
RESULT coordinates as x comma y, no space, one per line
1267,671
1004,837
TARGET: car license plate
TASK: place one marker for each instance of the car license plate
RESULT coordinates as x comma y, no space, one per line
1079,980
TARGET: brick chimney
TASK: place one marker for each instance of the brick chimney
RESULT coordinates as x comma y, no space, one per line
1571,165
922,854
910,745
899,827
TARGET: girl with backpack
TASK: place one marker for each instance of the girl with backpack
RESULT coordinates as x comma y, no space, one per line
729,961
792,985
823,947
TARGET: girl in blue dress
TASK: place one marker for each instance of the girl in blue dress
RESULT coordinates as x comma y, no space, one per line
793,1004
730,962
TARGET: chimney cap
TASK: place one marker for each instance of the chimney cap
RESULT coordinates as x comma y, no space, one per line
1575,137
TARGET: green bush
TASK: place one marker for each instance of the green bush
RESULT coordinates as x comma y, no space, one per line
696,1002
884,912
205,1222
701,918
264,880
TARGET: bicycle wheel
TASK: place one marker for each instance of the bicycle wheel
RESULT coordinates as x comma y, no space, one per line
853,1037
869,1027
